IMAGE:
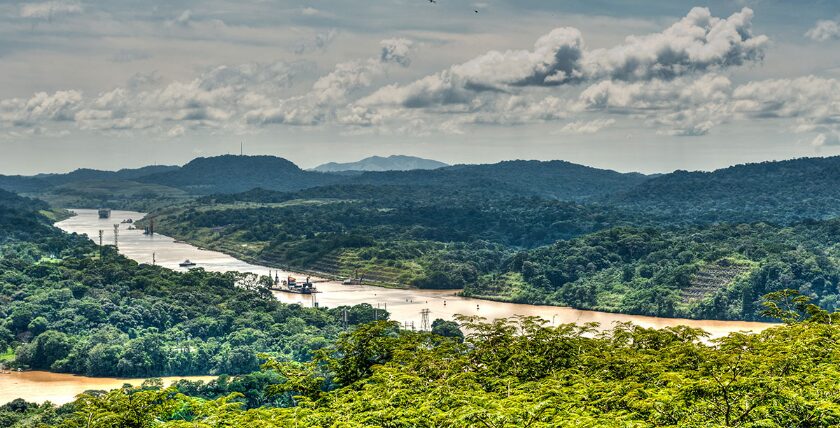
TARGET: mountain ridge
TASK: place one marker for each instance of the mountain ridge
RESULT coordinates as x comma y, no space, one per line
380,163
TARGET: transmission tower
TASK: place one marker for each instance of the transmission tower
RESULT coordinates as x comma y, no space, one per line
424,320
116,236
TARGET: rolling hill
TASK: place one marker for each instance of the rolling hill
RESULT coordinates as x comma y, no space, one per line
232,174
781,191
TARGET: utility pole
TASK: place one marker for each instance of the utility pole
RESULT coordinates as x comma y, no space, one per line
116,236
154,262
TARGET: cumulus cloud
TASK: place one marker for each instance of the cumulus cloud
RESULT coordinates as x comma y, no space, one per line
697,43
48,10
332,91
230,97
41,107
673,81
824,30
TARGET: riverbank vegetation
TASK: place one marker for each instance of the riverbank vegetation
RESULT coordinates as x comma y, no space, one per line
526,250
513,373
67,306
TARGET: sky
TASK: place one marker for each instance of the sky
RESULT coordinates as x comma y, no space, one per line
648,86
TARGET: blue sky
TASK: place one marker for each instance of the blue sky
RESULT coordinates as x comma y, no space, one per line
647,86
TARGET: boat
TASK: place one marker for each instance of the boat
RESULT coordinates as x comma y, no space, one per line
104,213
128,220
291,285
186,263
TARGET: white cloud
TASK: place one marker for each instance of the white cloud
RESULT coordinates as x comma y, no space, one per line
49,10
332,91
42,107
697,43
824,30
674,81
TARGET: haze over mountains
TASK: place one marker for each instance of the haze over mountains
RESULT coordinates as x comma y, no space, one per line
379,163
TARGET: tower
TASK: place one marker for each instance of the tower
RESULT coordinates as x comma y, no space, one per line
100,243
116,236
424,320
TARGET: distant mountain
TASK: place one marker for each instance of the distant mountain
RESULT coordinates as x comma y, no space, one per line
552,179
379,163
783,191
233,174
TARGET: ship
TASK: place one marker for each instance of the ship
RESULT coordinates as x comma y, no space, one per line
291,285
104,213
186,263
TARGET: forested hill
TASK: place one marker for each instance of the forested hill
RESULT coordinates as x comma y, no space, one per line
780,192
784,191
231,174
86,174
552,179
11,201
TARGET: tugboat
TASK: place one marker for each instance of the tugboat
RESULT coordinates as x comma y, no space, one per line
290,285
186,263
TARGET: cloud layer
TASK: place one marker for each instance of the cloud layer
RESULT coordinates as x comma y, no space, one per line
676,81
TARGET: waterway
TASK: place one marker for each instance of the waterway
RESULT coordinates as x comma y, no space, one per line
61,388
403,305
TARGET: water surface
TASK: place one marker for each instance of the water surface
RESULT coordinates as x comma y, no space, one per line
404,305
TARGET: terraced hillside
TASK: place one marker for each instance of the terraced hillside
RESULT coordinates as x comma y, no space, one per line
713,278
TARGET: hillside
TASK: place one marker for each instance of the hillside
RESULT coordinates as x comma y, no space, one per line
379,163
22,184
86,174
784,192
708,272
232,174
551,179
